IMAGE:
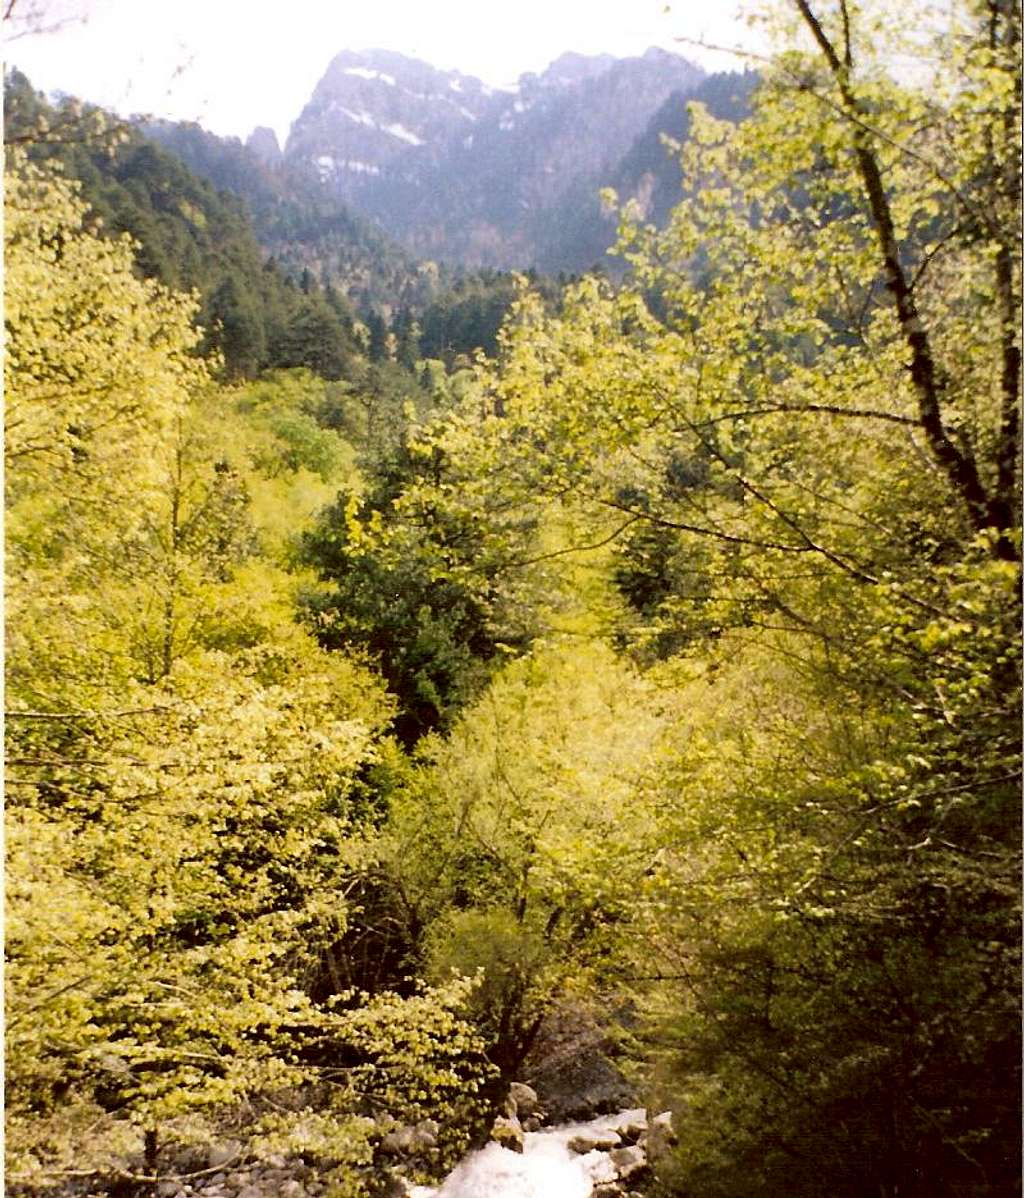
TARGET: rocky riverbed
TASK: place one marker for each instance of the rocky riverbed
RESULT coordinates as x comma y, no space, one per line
609,1156
582,1136
606,1157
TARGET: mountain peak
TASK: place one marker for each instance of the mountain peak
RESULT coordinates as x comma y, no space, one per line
390,68
571,67
264,144
462,171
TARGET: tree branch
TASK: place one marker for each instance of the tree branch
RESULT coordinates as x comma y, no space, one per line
825,409
959,465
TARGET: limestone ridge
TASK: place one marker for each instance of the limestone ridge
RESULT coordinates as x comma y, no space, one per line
463,172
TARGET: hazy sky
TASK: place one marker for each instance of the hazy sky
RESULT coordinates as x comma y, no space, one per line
233,64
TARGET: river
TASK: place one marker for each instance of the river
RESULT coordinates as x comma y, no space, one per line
546,1168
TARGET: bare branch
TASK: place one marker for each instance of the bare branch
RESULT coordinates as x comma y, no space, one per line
543,557
823,409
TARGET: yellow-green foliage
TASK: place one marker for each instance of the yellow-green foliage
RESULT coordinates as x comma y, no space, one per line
802,411
180,754
524,837
98,363
269,432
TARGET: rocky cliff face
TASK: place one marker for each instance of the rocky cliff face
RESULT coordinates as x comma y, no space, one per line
380,113
465,173
263,143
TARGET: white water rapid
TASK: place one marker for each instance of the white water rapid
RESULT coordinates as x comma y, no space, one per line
546,1168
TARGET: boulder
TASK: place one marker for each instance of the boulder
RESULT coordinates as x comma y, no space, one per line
508,1133
397,1186
660,1136
598,1167
407,1140
634,1128
572,1065
628,1161
399,1141
591,1139
219,1155
427,1131
664,1123
525,1099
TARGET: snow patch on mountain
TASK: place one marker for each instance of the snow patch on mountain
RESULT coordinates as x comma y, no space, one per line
369,73
404,134
360,118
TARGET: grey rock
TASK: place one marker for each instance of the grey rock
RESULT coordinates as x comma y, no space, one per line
525,1099
572,1067
589,1141
633,1130
397,1187
628,1161
598,1167
508,1133
169,1189
251,1191
399,1141
291,1189
660,1136
427,1131
186,1159
223,1153
407,1141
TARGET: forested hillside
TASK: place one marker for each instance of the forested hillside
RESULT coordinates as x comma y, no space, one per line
189,236
610,684
299,223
